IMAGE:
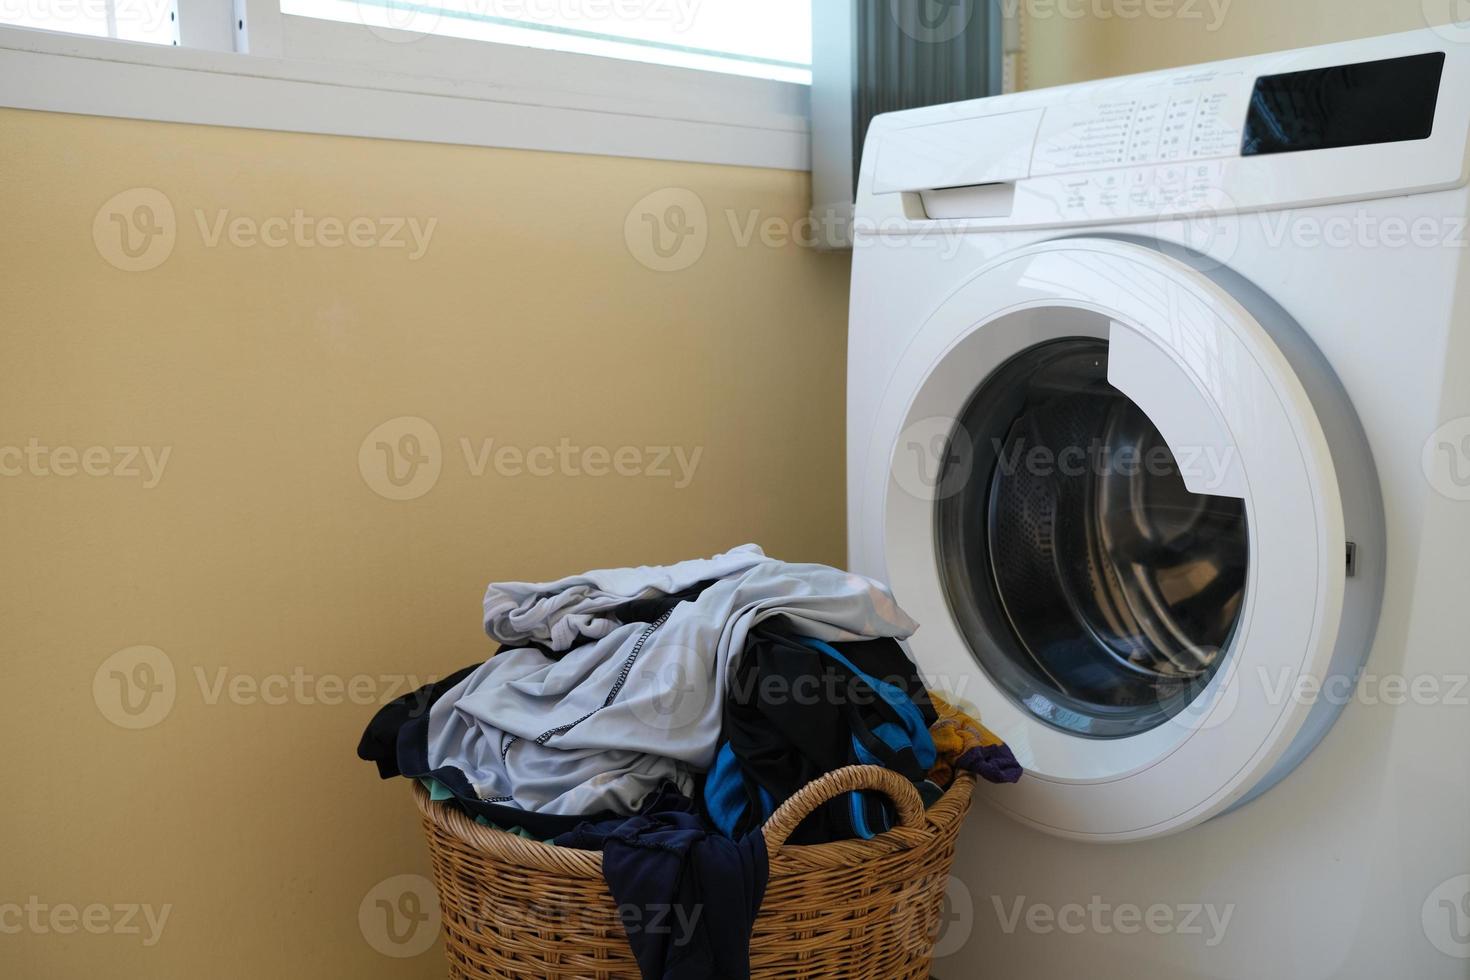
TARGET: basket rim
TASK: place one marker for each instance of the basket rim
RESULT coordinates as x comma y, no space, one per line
788,858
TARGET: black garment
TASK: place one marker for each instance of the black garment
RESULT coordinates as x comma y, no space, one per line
688,896
793,715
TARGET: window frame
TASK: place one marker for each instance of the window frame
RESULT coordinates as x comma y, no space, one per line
244,63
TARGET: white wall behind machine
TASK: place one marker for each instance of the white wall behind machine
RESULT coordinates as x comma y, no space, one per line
1262,263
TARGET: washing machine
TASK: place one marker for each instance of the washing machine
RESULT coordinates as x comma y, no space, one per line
1158,399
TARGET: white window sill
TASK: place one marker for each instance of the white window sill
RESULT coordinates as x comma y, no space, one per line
442,90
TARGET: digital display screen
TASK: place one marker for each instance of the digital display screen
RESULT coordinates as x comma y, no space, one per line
1348,105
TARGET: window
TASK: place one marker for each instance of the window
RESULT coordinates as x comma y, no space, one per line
151,21
703,81
761,38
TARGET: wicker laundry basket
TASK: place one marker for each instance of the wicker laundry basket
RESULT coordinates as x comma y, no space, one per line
856,910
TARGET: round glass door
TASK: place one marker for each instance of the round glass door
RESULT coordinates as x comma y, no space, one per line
1093,587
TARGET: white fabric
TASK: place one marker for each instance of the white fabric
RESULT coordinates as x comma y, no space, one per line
641,703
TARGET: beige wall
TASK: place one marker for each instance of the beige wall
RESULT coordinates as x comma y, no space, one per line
265,552
1063,47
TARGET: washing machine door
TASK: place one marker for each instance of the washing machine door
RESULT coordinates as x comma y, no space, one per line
1115,503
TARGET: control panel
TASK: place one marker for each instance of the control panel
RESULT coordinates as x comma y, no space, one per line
1154,128
1300,128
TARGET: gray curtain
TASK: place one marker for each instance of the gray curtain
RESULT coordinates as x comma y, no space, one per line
912,53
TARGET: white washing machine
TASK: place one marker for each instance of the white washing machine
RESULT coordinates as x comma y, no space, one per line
1157,424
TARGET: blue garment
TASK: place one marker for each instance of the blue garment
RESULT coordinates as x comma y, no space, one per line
688,896
776,740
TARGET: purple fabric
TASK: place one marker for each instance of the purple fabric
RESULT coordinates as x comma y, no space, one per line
992,763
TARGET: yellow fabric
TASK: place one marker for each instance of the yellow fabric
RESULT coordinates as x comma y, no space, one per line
954,734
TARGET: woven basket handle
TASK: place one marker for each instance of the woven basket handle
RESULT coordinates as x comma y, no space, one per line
806,800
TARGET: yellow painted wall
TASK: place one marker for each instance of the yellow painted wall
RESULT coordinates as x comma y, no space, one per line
264,564
1076,40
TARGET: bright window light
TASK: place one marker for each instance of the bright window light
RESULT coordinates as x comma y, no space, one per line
151,21
763,38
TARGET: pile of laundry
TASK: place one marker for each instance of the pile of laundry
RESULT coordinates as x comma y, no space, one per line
662,714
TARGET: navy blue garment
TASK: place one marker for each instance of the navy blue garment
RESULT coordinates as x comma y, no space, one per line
687,894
